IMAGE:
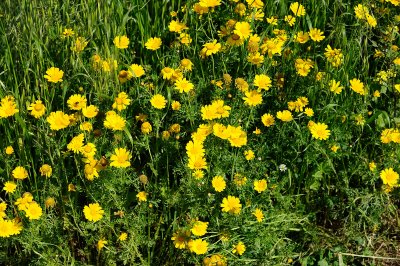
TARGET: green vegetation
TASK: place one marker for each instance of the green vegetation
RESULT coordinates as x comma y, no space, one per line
199,132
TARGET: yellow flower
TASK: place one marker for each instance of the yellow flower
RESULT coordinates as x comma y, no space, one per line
260,185
76,102
334,56
185,38
214,260
3,208
20,173
389,177
334,86
194,148
200,10
158,101
50,202
371,21
24,201
181,239
121,102
285,116
186,64
238,137
198,174
121,42
262,82
34,211
120,158
239,248
86,126
320,131
217,109
9,228
302,37
231,204
372,166
253,98
268,120
101,244
361,11
297,9
153,43
9,187
377,94
90,170
176,26
114,121
320,75
197,162
359,119
45,170
175,128
316,35
334,148
273,21
198,246
90,111
89,150
54,75
167,73
249,155
255,3
176,105
9,150
309,112
253,44
146,128
71,187
218,183
183,85
68,33
243,30
290,20
58,120
199,228
96,58
303,67
142,196
357,86
8,107
37,109
210,48
136,70
258,214
210,3
123,236
80,44
93,212
76,144
221,110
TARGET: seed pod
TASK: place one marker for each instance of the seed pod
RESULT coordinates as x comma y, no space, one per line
143,179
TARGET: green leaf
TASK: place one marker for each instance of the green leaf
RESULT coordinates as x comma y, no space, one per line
323,262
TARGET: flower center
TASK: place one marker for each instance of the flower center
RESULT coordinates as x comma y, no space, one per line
235,37
38,107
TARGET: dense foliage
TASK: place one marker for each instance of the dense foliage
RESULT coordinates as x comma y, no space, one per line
199,132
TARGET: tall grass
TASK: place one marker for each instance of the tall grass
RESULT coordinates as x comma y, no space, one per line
321,206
